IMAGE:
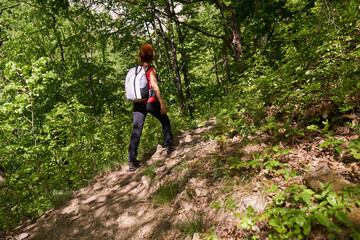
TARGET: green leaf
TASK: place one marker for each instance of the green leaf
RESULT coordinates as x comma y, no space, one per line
297,230
264,216
318,196
324,203
313,127
331,198
313,209
274,223
322,219
339,206
343,218
300,220
306,195
40,212
279,200
307,228
216,205
273,188
339,149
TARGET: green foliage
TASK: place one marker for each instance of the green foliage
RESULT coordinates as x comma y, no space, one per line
229,123
346,107
149,171
59,198
333,143
267,160
290,222
281,129
330,142
354,148
210,235
294,212
62,111
229,205
191,226
219,169
165,194
51,139
248,219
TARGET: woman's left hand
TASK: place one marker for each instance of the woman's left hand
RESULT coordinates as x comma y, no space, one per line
163,108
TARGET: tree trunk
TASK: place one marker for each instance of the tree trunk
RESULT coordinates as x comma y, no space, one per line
176,78
32,110
236,43
215,60
177,75
226,65
184,59
2,175
215,67
166,47
165,40
152,43
90,81
157,41
232,40
58,37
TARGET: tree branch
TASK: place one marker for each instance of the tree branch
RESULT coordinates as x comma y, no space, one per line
190,1
133,2
2,10
189,26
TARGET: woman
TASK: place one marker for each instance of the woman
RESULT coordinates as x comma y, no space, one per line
153,105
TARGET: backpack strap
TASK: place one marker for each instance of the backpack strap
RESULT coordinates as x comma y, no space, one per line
148,67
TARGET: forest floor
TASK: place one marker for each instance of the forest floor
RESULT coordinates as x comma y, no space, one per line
170,197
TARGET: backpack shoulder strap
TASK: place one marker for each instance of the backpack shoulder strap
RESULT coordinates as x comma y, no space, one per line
148,67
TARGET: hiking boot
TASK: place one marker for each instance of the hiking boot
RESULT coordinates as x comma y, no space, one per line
169,149
134,165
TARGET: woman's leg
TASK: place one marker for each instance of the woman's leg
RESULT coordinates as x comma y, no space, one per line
139,115
154,109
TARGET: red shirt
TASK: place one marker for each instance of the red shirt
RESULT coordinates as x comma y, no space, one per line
153,98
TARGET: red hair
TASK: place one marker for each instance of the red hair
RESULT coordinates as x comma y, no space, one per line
146,53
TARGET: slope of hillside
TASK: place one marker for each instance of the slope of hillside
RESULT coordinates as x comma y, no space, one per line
192,193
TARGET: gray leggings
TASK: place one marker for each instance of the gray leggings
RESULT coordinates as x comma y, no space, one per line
139,115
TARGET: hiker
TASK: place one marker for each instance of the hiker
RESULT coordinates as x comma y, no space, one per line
153,105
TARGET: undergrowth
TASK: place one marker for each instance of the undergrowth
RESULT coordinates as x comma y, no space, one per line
165,194
191,226
296,210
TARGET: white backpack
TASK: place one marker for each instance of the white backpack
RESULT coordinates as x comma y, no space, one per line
136,84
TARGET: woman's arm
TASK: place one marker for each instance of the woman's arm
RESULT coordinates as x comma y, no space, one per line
156,88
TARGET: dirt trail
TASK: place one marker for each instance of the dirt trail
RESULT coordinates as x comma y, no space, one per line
119,204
